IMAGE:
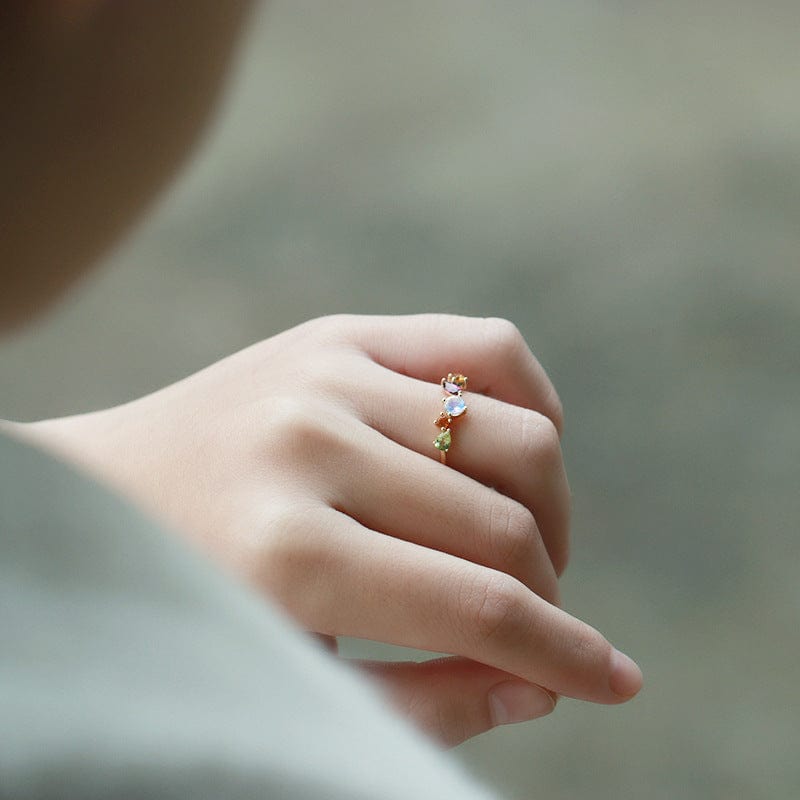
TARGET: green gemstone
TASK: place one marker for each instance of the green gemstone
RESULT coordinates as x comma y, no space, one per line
442,441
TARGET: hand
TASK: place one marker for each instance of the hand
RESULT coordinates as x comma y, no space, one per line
305,464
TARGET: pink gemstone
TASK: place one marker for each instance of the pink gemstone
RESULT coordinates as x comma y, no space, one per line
453,388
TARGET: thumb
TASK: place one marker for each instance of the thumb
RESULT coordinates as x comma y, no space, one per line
454,699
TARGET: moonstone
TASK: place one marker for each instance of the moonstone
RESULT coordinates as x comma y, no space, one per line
455,405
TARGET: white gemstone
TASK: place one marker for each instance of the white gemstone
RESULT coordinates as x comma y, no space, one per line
455,405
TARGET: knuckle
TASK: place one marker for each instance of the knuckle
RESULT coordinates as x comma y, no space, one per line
283,539
589,647
555,411
289,550
514,534
327,323
341,328
549,441
507,344
518,545
503,337
287,413
496,609
327,331
298,432
539,441
560,557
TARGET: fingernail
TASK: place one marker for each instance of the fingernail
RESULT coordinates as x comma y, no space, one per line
518,701
625,679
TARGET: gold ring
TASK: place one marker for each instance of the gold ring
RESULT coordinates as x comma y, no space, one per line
454,406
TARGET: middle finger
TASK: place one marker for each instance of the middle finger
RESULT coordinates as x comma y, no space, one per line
515,450
411,497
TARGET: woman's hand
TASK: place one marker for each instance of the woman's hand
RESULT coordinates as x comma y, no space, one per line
305,464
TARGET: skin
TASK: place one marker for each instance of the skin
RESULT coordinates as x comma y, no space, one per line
303,464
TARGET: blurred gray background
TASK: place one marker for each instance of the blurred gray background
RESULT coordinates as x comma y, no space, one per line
622,180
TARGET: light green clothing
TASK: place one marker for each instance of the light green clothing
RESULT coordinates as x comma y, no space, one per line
130,667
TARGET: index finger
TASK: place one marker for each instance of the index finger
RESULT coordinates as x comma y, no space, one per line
490,351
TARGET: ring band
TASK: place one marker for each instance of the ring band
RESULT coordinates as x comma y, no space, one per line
454,406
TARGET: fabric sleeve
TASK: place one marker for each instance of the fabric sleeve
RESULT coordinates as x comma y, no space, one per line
132,667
